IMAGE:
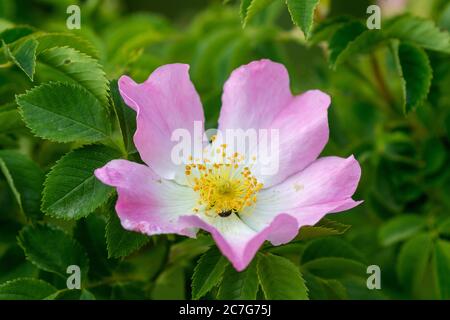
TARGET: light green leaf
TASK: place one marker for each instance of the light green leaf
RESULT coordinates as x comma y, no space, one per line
413,260
25,289
239,285
78,68
419,31
50,40
25,179
249,8
302,13
441,262
63,113
280,279
400,228
121,242
415,71
24,56
71,190
208,272
52,250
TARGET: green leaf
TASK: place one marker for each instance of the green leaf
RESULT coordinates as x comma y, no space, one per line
441,264
52,250
413,260
63,113
364,43
50,40
71,294
170,285
25,179
10,35
78,68
24,56
208,272
25,289
71,190
249,8
280,279
324,227
185,250
239,285
325,29
10,119
334,267
342,38
302,13
419,31
330,247
121,242
126,116
415,71
400,228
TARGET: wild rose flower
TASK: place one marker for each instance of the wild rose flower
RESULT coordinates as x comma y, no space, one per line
237,203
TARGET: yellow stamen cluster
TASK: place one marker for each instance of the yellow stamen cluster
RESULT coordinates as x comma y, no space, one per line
224,187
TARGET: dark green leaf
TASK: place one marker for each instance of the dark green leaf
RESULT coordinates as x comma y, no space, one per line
126,116
413,260
71,190
63,113
335,267
24,56
121,242
400,228
25,179
52,250
324,227
442,268
342,38
170,285
239,285
414,68
330,247
208,272
25,289
280,279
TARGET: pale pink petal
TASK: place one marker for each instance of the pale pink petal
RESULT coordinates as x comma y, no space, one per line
237,241
146,203
325,186
165,102
303,133
257,97
254,95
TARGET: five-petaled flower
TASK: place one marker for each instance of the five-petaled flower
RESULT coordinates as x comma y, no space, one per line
237,204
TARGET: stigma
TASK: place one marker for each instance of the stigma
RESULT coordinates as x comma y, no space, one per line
224,184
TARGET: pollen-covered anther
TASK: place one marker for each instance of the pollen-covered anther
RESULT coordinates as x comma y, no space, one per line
223,188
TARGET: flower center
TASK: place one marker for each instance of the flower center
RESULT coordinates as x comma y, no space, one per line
224,186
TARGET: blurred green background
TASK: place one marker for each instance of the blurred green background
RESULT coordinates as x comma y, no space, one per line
403,226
